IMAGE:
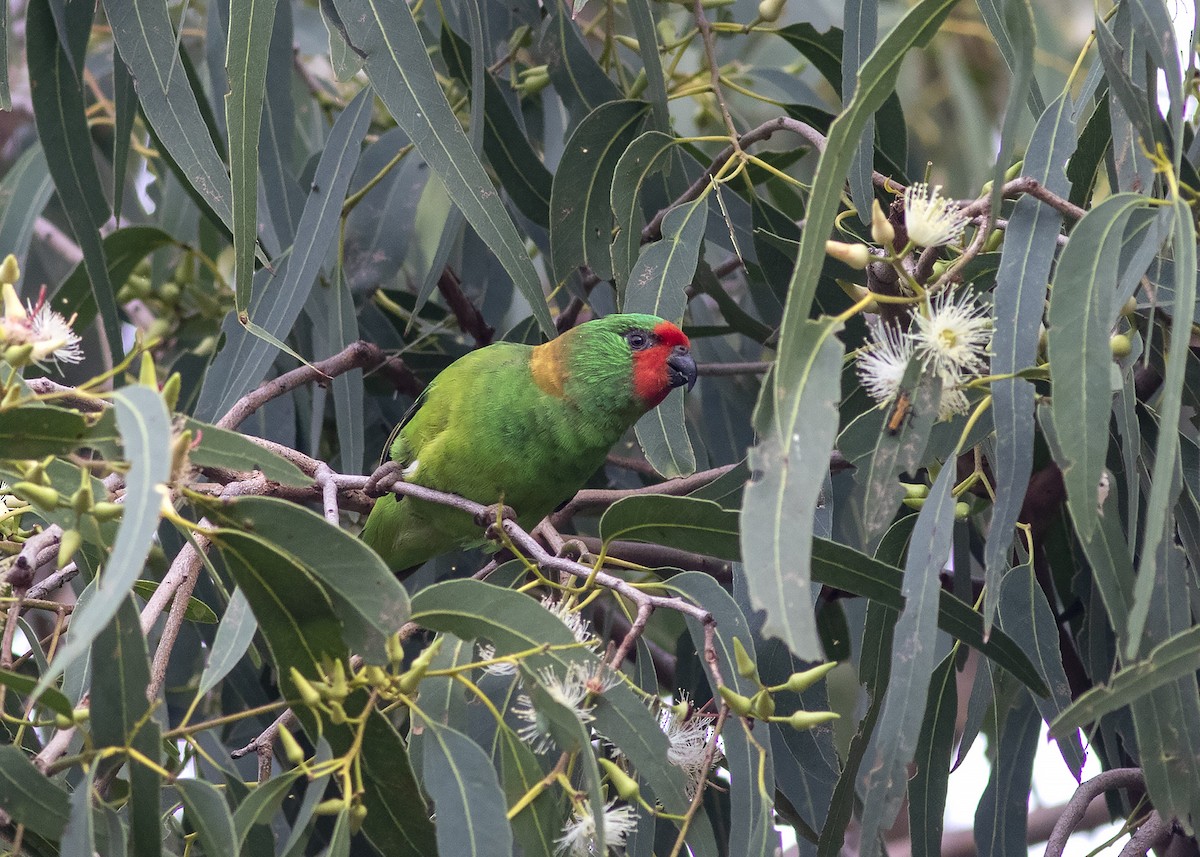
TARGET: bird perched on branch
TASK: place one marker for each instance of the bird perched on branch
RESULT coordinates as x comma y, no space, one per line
523,425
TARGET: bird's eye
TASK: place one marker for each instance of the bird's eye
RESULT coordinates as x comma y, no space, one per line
638,340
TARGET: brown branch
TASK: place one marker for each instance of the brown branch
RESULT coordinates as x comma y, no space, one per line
1023,185
67,396
1154,833
603,498
653,230
635,630
356,355
1117,778
659,556
264,744
470,319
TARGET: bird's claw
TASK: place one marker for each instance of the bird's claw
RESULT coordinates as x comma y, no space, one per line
382,480
493,514
572,549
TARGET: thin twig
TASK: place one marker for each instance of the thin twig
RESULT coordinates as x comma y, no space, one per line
470,319
264,744
329,494
603,498
356,355
635,630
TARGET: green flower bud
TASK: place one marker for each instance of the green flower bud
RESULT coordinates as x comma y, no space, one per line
745,664
625,785
38,495
358,815
738,703
962,511
71,541
291,747
106,511
763,704
10,270
809,719
308,694
802,681
170,390
330,807
1121,346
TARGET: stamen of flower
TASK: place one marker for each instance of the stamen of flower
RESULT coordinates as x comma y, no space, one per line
929,219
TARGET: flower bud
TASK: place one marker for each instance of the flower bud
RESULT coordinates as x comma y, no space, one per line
738,703
745,664
38,495
855,255
1129,307
770,10
802,681
1121,346
170,390
291,747
809,719
83,499
915,490
625,785
106,511
330,807
882,231
394,648
962,511
308,694
147,374
17,355
358,815
71,541
10,271
763,704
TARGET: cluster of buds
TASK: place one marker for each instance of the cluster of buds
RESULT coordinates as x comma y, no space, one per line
761,706
328,694
36,489
32,333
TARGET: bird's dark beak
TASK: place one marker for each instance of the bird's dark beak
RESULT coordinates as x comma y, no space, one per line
681,368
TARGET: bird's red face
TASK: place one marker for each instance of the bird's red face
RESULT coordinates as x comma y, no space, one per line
662,361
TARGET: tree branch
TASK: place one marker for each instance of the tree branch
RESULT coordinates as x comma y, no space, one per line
1117,778
470,319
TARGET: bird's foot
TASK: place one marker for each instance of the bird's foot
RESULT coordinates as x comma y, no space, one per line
572,549
492,515
382,480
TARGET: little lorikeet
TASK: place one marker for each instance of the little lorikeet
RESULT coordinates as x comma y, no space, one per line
523,425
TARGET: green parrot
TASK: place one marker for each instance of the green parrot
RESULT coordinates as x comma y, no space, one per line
524,425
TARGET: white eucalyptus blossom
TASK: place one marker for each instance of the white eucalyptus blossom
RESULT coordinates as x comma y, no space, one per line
689,733
882,363
579,833
571,691
486,651
47,335
580,628
952,335
953,402
930,219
